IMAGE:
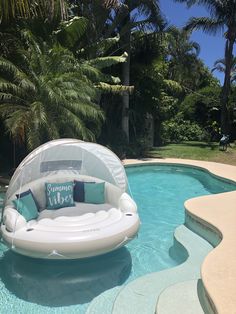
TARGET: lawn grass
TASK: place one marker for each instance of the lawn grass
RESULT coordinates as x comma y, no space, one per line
197,151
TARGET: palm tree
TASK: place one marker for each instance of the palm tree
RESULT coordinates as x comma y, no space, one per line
43,103
119,17
53,83
220,66
130,16
183,57
222,18
180,43
54,94
68,35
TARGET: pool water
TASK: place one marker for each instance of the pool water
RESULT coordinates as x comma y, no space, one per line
40,286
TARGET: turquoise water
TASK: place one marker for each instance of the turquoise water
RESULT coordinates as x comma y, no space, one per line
41,286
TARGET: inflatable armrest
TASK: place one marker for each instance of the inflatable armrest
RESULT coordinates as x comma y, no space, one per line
13,220
127,204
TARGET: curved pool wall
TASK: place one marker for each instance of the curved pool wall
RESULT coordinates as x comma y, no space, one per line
210,182
214,217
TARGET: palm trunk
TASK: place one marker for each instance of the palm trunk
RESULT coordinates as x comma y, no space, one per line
125,96
226,87
125,40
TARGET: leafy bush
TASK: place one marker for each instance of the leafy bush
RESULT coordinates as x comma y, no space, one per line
202,107
137,148
177,130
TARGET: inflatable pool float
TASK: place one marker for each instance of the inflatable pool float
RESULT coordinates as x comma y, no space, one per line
68,199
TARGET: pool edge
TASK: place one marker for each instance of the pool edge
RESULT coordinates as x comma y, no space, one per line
218,213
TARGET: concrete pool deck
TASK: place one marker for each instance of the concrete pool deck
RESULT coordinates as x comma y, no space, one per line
218,213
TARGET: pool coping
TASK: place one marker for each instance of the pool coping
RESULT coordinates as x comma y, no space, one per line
218,212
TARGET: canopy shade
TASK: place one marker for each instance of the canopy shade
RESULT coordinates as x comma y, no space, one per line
69,156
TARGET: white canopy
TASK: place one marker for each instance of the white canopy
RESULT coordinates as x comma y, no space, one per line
69,156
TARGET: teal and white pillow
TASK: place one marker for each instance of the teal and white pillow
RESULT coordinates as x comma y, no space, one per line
59,195
26,206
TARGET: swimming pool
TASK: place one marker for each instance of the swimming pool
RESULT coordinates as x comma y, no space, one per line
29,285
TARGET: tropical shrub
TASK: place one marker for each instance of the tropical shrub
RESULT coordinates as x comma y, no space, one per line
202,107
53,94
177,130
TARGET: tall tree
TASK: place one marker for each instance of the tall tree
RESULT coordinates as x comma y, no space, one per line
122,17
139,14
182,55
222,18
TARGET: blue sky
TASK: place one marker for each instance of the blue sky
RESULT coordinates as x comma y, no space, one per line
212,47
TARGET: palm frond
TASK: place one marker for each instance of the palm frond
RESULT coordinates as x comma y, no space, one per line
9,98
114,89
100,47
173,86
53,132
78,125
8,67
104,62
196,46
89,111
91,72
39,115
71,31
17,123
151,10
218,68
33,138
210,26
221,61
51,9
212,6
12,88
189,3
111,4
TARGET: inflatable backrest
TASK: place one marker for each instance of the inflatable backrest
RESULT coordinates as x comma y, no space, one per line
112,193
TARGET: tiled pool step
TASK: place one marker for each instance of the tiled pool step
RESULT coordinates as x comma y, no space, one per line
181,298
140,296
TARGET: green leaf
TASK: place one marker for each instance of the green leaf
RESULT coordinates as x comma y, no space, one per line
115,89
71,31
104,62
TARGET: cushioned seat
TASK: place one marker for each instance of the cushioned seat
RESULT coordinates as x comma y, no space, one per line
78,210
100,219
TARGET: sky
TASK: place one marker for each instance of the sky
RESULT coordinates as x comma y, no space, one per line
212,47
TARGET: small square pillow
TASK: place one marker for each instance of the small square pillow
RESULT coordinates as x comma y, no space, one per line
26,193
78,191
59,195
94,193
26,206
